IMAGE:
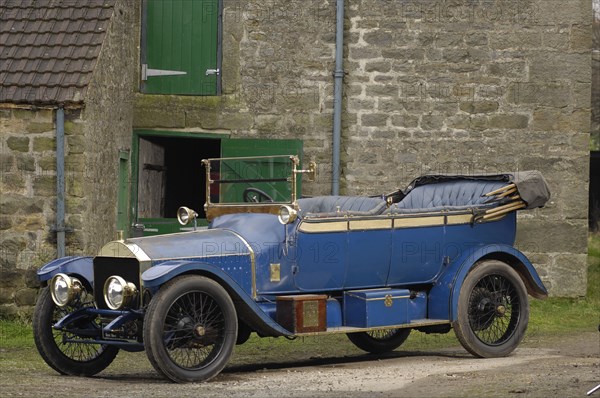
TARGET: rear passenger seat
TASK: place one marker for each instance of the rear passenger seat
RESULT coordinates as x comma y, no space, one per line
451,195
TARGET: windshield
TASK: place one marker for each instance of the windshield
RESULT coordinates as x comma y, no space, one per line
251,180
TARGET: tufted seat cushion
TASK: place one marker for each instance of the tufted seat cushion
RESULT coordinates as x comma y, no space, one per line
328,205
450,195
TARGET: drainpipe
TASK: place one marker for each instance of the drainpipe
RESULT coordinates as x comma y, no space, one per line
60,182
338,76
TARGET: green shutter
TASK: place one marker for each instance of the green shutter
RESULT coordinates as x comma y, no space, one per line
181,36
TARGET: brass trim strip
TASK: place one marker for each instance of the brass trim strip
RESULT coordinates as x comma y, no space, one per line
405,222
459,219
376,298
370,224
252,262
329,226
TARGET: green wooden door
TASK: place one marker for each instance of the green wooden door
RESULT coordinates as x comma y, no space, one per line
257,168
180,47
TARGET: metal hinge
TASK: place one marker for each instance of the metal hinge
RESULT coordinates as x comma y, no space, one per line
146,72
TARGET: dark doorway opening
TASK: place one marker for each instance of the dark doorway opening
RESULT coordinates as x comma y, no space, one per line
171,174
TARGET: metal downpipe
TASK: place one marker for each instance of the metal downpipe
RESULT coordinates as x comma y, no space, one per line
338,76
60,182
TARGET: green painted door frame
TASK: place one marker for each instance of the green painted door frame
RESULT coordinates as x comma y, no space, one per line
229,147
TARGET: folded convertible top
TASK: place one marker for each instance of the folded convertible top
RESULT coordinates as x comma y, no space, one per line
531,185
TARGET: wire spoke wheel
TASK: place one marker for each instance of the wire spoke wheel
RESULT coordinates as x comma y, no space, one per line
194,330
380,340
64,350
190,329
493,310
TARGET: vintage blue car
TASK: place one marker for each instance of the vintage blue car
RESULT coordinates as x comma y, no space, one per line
436,256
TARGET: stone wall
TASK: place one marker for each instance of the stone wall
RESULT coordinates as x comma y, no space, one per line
93,137
431,86
467,87
27,203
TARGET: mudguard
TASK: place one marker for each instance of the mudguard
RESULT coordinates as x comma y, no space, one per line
247,308
447,286
79,265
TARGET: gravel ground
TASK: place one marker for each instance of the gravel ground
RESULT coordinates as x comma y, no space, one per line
551,366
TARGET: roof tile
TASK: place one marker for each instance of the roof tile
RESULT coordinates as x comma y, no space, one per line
49,48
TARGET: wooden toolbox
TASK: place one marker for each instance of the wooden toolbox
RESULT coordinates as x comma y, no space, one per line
303,313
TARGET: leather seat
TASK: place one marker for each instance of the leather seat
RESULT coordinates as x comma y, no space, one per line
451,195
328,205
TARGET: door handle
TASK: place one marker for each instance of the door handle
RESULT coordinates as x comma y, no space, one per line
213,72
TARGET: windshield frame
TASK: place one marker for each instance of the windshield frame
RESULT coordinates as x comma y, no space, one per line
214,210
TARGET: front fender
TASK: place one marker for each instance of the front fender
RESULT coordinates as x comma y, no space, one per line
80,265
247,308
447,287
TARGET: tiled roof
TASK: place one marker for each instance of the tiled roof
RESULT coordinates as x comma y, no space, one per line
48,48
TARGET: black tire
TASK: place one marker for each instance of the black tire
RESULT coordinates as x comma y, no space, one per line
76,359
190,329
493,310
379,341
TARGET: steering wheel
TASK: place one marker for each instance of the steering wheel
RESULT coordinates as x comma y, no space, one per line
256,195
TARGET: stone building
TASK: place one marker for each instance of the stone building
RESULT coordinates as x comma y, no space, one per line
150,88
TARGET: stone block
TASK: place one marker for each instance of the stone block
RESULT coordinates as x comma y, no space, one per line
556,236
524,39
6,295
407,121
581,37
378,66
47,163
73,128
39,127
41,144
548,119
479,107
556,95
364,52
556,40
44,185
76,144
476,39
24,114
512,69
379,38
25,297
581,95
19,144
25,162
374,120
512,121
382,90
553,66
432,122
6,162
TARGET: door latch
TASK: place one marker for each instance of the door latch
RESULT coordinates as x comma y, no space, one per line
213,72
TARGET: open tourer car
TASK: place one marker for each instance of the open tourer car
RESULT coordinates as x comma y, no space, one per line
435,256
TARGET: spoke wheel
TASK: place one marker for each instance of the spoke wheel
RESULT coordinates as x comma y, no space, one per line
493,310
190,329
72,358
379,341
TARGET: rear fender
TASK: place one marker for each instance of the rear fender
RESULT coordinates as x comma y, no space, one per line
79,266
247,309
443,298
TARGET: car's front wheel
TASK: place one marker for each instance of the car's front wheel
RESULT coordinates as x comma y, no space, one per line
190,329
64,351
379,341
493,310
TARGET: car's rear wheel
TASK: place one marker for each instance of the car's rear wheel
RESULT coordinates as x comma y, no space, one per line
379,341
493,310
190,329
63,351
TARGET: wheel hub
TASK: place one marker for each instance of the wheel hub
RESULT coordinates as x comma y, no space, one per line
200,331
500,310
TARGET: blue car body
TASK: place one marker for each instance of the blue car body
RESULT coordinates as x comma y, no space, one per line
374,262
